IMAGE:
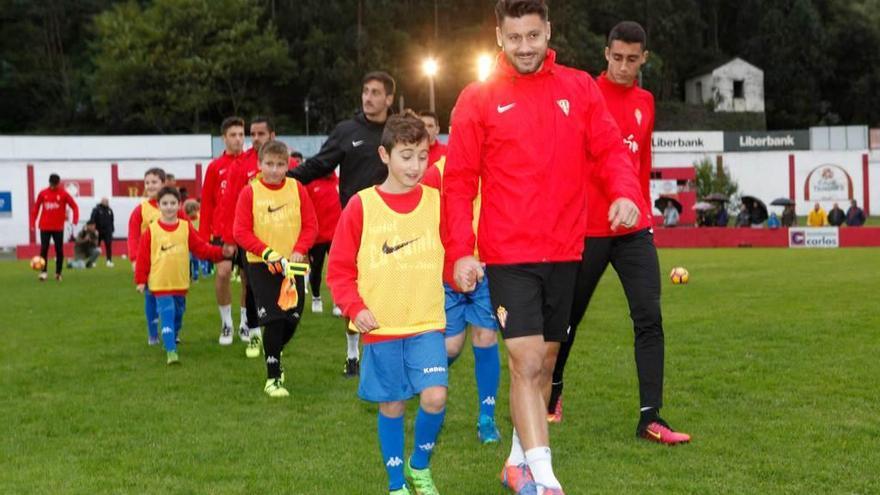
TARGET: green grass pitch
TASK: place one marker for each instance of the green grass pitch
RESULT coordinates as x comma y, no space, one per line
772,365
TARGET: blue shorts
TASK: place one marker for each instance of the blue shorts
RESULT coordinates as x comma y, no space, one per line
473,308
399,369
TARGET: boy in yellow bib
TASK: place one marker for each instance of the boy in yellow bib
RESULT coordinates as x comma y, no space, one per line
141,217
275,222
385,272
163,265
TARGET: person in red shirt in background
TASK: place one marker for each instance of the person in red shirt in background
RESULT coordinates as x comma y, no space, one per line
630,251
218,213
163,253
51,206
523,140
436,149
324,193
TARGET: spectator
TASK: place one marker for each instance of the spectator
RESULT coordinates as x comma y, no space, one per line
722,217
102,217
773,221
170,180
743,219
836,216
855,217
789,219
670,215
85,249
817,217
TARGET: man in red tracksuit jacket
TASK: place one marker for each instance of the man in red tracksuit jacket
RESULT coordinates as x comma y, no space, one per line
218,214
51,206
527,135
631,251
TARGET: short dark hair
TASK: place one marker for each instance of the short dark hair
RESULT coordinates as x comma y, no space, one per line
168,190
296,154
230,122
628,32
433,115
54,180
403,129
259,119
158,172
520,8
274,148
384,78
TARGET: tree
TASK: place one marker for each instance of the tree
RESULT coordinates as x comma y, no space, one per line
175,64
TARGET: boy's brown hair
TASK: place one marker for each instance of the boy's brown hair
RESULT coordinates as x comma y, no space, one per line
403,129
274,148
165,191
158,172
191,206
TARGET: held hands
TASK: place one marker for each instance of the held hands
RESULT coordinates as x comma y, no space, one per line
140,288
365,322
298,257
467,272
623,213
277,264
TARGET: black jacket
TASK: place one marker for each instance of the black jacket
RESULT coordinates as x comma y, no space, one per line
836,217
354,147
103,218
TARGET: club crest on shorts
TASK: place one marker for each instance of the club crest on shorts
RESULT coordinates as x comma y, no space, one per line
638,115
564,105
502,316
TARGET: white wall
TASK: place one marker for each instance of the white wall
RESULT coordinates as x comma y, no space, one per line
753,87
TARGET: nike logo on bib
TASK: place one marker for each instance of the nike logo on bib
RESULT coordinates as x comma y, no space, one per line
166,248
390,249
273,210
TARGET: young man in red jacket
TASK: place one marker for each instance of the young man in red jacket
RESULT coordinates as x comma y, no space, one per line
630,251
218,213
525,136
51,206
436,149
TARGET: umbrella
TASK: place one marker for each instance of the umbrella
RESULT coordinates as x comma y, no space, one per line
661,202
782,202
757,208
703,206
716,197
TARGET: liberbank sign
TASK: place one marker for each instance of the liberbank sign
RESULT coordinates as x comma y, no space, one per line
767,141
687,142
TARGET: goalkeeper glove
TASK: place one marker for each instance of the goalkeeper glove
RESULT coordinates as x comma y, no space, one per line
277,264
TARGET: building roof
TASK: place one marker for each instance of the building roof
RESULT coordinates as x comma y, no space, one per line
718,63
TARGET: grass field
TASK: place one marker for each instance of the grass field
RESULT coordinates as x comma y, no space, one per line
771,365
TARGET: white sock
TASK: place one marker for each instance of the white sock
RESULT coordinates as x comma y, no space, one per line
226,315
255,332
243,321
352,349
516,456
541,466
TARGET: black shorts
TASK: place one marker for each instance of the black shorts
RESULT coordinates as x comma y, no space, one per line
533,298
266,286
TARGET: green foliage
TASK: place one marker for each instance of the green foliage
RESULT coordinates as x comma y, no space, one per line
714,179
680,116
163,67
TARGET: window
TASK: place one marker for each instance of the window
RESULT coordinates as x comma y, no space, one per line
738,92
699,95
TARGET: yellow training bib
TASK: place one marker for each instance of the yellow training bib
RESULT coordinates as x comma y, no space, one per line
400,265
277,217
169,257
149,214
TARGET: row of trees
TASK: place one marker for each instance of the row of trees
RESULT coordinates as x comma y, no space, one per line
163,66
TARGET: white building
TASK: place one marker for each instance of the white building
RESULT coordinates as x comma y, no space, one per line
736,86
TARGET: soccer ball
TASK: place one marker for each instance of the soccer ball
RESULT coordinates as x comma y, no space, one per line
679,275
38,263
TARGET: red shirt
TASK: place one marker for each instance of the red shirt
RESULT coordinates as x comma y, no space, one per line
53,201
324,193
214,188
528,137
436,152
244,221
197,246
239,170
633,109
342,270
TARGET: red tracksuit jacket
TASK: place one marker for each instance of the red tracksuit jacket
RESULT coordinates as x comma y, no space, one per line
213,189
633,110
530,139
54,202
